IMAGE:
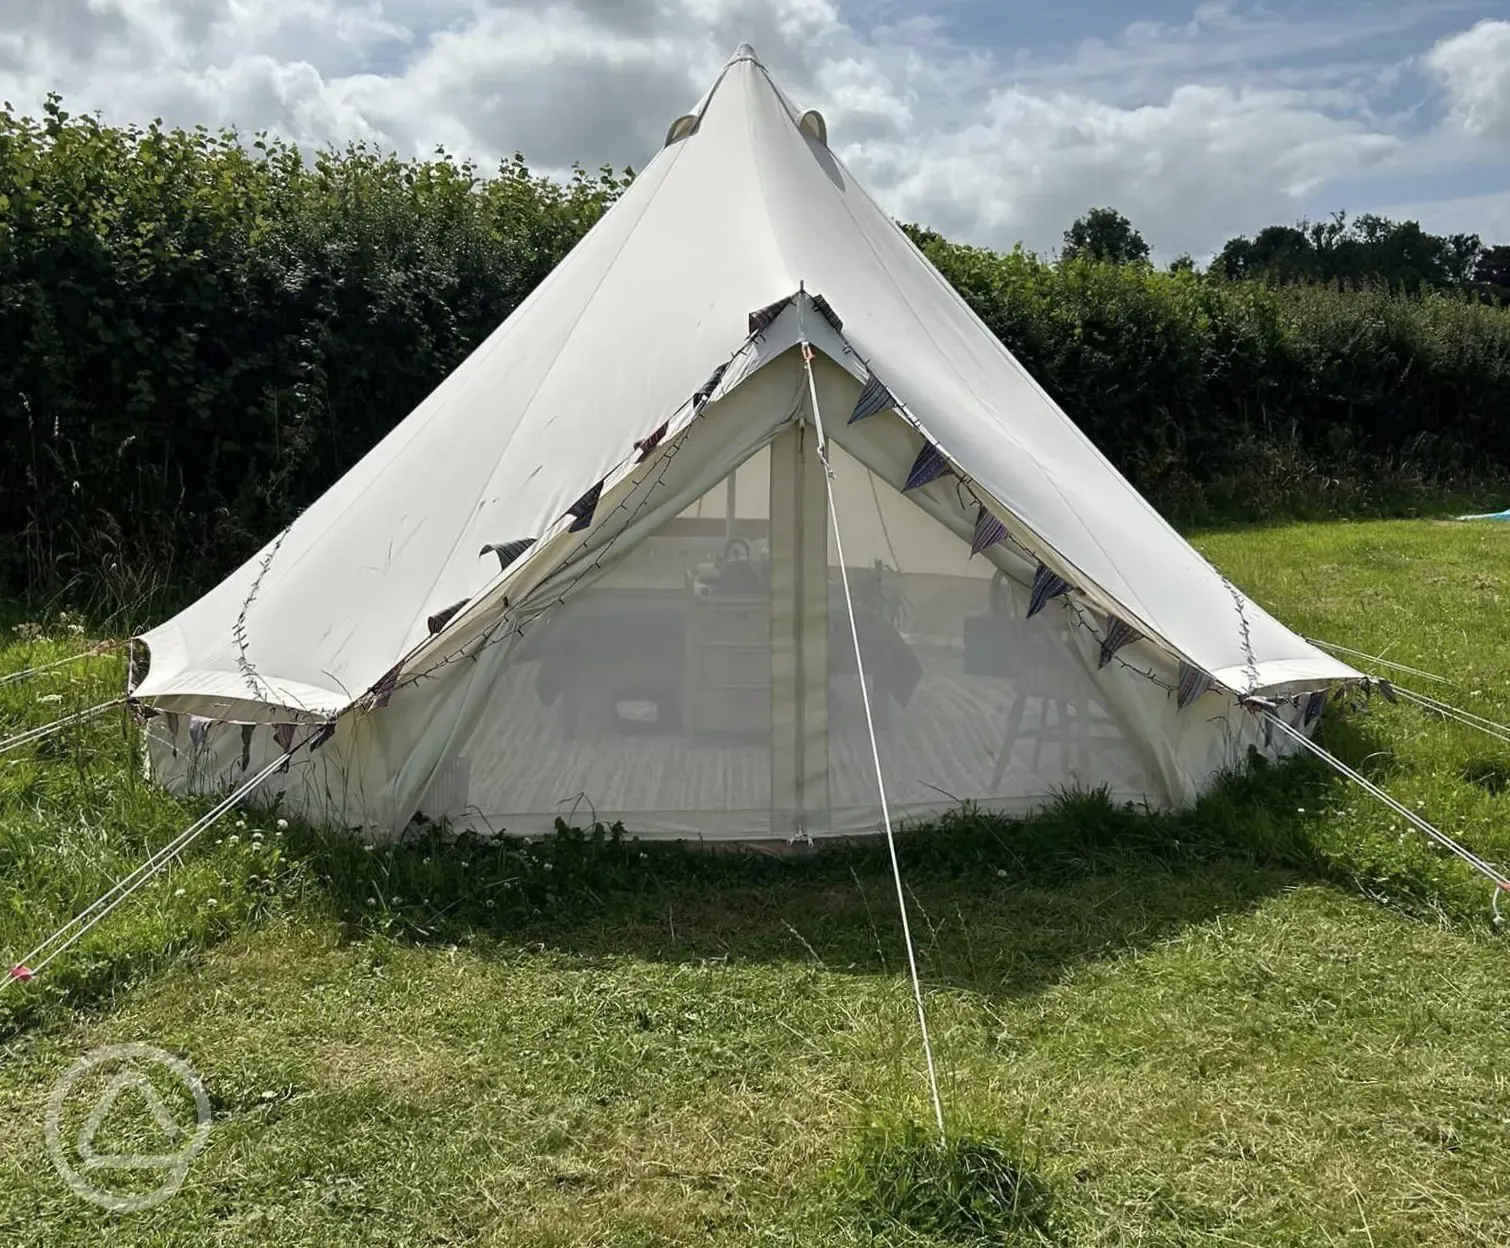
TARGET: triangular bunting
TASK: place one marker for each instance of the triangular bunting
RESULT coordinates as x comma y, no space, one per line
930,465
705,391
1193,683
443,617
1315,704
649,442
1046,585
583,508
988,531
507,552
283,734
875,397
762,317
1119,633
382,692
828,314
246,745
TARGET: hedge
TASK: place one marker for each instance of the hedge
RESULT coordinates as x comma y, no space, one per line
200,333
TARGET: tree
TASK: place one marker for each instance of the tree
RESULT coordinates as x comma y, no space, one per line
1182,263
1370,248
1492,270
1104,234
1283,253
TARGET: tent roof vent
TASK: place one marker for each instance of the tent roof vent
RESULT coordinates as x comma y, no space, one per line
681,128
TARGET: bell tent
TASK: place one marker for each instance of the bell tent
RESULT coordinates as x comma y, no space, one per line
742,507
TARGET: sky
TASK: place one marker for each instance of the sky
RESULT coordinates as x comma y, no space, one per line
994,121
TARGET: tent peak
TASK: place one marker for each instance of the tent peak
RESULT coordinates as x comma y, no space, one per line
744,52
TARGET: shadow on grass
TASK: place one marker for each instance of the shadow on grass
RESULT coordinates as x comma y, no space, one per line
998,906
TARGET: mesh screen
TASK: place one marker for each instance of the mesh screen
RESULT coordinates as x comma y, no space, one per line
971,700
653,692
650,690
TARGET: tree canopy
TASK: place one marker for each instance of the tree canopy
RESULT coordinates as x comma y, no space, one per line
1104,234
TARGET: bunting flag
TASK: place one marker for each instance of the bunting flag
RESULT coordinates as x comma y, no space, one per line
199,730
828,314
1046,585
507,552
1388,690
382,692
930,465
1119,633
283,734
170,718
762,317
443,617
1193,683
583,508
988,531
1315,704
875,397
649,442
705,391
246,745
324,734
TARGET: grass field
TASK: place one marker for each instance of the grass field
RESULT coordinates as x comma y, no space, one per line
1279,1019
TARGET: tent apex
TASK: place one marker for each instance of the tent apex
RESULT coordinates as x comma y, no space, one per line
745,52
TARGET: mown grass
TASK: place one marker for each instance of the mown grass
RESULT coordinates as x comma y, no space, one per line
1276,1019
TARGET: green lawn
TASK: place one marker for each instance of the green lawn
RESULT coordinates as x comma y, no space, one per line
1279,1019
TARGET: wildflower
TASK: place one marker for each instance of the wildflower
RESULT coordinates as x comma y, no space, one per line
241,823
548,867
212,901
178,892
372,901
1001,871
233,839
283,825
51,697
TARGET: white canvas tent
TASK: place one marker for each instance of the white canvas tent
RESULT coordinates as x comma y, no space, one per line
594,574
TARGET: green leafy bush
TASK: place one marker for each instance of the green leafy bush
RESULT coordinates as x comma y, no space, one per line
200,334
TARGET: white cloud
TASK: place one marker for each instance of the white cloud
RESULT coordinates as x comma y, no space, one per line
1475,69
1189,170
1196,130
